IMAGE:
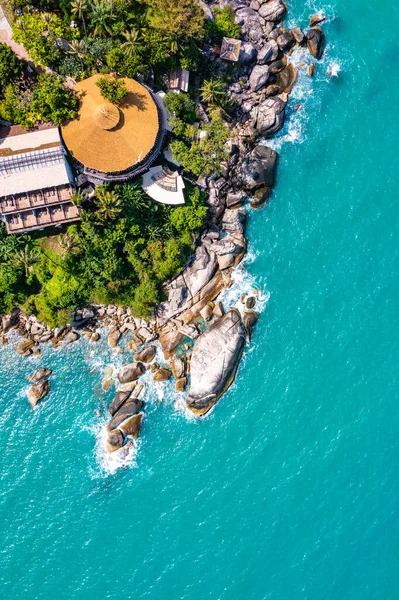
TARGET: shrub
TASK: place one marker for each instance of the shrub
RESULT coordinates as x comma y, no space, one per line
223,25
182,106
11,67
112,89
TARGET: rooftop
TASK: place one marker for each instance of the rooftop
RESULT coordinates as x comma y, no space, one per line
109,138
230,49
31,161
36,210
164,186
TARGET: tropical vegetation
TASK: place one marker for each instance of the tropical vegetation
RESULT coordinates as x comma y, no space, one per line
122,251
126,245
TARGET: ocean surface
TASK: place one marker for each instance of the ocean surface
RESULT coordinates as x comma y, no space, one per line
289,489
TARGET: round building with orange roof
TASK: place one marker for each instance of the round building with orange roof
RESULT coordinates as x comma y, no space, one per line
114,142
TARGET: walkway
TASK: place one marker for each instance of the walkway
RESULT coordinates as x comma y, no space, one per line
6,38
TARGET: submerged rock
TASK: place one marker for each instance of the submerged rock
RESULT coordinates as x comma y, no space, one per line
39,375
37,392
214,361
130,372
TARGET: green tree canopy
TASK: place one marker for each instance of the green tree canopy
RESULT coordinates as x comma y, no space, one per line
112,89
11,67
48,101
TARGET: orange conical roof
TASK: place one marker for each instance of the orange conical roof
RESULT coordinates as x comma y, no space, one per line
111,138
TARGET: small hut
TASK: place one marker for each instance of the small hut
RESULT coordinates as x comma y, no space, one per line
230,49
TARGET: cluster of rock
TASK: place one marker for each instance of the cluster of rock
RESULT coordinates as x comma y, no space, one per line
126,408
84,323
260,89
267,76
40,387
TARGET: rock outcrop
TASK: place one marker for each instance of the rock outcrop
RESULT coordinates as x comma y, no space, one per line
272,10
115,441
214,361
37,392
315,41
120,398
24,347
268,116
268,53
250,318
128,409
40,374
130,372
259,77
132,425
146,355
162,374
113,338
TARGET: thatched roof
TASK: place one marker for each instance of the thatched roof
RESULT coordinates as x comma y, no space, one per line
109,138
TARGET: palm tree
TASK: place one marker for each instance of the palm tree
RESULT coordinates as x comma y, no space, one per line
78,48
78,198
26,257
100,17
154,231
85,215
47,18
109,205
133,42
79,7
68,241
213,91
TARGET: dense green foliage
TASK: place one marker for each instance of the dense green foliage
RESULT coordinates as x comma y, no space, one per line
113,90
47,100
223,25
129,36
40,34
125,247
203,155
10,68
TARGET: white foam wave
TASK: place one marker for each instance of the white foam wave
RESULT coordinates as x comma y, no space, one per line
108,462
244,283
333,70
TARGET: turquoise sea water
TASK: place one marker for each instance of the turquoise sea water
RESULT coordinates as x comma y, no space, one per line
289,490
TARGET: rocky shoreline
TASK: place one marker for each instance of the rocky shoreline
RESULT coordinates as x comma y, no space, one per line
202,345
